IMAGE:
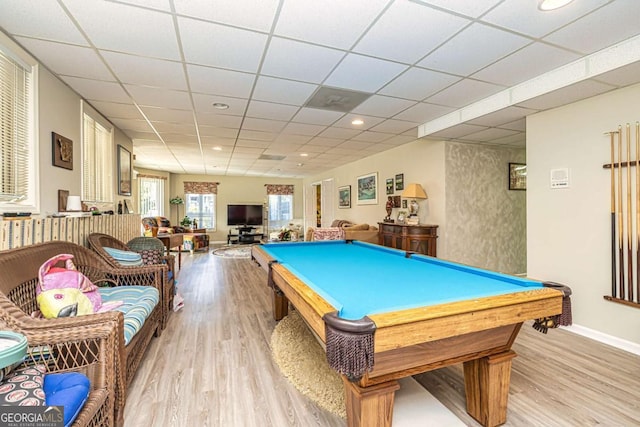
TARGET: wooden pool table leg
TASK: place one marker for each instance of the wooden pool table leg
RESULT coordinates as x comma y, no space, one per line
486,383
369,406
280,304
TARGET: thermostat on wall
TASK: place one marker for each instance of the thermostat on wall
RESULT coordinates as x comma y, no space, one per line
560,178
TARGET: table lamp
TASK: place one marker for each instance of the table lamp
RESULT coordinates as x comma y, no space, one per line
74,204
414,191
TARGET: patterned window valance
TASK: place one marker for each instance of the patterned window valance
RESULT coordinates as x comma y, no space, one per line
201,187
144,175
279,189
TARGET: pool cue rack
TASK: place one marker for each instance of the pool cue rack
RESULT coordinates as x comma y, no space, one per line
625,231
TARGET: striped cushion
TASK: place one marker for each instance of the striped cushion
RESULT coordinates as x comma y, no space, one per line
125,258
139,302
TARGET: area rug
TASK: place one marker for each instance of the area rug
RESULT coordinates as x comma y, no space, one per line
303,362
233,251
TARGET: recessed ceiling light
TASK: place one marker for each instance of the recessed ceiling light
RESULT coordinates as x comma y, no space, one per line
546,5
300,165
217,148
357,122
220,105
303,154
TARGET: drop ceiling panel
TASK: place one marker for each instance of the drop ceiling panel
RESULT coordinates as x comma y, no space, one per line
619,21
220,82
273,126
68,59
156,97
253,134
464,92
282,91
418,83
98,90
342,23
152,4
268,110
383,106
369,136
254,14
369,121
490,134
303,129
33,18
474,48
206,43
395,126
299,61
427,28
528,62
457,131
506,115
421,111
316,116
206,120
129,29
116,110
354,73
473,8
509,14
146,71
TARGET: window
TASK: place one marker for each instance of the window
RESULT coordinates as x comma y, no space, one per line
151,196
280,210
202,208
97,159
18,182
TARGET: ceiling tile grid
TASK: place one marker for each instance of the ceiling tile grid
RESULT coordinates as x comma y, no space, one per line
158,69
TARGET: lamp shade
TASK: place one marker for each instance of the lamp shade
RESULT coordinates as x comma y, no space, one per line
414,191
74,203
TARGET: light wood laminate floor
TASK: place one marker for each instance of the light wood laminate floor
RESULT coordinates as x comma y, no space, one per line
212,367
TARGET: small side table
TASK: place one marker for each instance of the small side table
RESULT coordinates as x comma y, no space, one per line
171,240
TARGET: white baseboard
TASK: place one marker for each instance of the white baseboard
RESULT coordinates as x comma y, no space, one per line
616,342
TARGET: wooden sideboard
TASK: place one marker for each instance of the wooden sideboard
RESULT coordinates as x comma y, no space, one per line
416,238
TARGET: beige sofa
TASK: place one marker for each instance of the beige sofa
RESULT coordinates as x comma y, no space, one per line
362,232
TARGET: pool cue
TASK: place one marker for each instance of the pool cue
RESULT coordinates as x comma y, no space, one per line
620,219
629,219
613,217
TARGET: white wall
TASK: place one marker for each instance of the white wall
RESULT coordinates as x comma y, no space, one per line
568,230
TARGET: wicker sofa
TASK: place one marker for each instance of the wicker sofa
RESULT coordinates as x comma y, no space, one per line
99,241
89,350
18,301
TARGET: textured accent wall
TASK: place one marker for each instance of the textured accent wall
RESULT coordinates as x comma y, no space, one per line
486,222
16,233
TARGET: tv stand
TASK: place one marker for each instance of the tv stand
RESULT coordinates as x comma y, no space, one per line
245,235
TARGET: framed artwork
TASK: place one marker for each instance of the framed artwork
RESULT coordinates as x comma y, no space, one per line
61,151
396,201
124,171
402,216
404,204
517,176
368,189
389,185
399,182
344,197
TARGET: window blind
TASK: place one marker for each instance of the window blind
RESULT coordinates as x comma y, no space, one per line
97,161
16,86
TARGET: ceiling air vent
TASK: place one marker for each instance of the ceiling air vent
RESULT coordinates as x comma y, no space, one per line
328,98
271,157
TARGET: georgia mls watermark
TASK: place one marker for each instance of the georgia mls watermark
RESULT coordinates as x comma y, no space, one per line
31,416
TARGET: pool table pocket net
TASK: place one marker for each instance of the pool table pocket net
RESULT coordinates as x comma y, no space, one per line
349,345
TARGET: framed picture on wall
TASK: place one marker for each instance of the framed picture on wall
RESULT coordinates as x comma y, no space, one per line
368,189
389,185
344,197
124,171
400,182
517,176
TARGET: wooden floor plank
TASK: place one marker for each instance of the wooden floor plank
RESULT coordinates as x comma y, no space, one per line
212,366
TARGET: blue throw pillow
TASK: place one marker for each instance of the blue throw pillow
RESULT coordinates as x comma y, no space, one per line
70,390
125,258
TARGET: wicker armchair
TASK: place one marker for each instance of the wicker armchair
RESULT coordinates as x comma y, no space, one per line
18,300
98,241
89,350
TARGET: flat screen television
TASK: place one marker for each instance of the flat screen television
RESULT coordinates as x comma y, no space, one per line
244,215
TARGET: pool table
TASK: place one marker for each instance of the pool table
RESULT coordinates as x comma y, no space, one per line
384,314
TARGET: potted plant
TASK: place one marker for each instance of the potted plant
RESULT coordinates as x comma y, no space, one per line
177,201
186,222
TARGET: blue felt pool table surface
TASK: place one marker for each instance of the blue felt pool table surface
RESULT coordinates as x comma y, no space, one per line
361,279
